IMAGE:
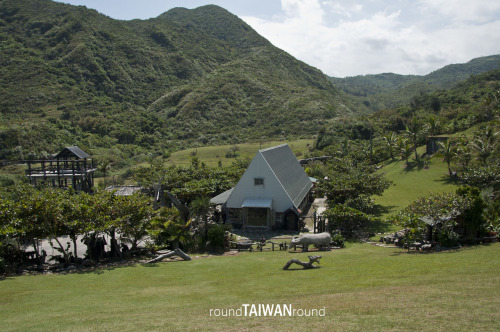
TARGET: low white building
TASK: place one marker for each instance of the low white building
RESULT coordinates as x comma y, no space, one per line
272,193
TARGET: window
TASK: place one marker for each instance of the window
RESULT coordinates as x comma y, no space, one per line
258,181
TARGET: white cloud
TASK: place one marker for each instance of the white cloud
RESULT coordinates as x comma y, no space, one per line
476,11
353,37
346,39
335,7
303,10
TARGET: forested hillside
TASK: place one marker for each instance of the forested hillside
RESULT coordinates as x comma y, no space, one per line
473,102
70,75
392,90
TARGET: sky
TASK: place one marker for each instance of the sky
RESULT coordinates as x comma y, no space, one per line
348,37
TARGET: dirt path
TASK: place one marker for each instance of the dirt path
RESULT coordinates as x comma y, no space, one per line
319,206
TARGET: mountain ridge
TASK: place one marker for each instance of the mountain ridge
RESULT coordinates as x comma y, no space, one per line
72,76
389,90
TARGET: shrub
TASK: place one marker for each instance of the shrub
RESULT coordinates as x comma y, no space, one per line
473,215
216,237
338,240
348,221
448,238
6,181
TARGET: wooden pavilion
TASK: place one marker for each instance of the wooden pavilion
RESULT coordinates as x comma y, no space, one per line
70,167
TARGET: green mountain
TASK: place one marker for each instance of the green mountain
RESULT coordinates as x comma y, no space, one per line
70,75
472,103
392,90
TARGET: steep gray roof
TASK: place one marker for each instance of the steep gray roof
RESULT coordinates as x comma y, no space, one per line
72,151
288,171
222,198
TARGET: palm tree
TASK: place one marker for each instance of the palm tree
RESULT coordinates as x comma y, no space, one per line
200,208
464,152
169,221
406,150
482,148
432,126
344,147
414,129
484,144
448,152
390,142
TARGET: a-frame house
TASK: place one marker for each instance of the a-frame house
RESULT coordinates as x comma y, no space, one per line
272,193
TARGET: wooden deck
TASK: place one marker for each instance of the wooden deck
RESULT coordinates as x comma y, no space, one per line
80,173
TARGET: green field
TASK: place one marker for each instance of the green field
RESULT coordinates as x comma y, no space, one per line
361,287
211,155
412,182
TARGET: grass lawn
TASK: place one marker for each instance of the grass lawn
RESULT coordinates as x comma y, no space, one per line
361,287
411,183
211,155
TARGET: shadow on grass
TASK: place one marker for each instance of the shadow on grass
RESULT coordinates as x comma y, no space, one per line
99,269
379,210
446,179
380,225
441,251
414,166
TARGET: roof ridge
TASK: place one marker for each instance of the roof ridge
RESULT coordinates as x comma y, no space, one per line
273,147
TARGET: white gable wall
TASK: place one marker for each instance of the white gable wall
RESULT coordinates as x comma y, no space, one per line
272,189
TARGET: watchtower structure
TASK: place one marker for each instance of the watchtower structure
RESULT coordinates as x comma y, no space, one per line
70,167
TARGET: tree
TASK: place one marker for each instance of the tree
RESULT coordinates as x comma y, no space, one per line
448,152
167,226
39,215
414,228
464,153
432,126
404,149
442,208
200,208
390,142
414,129
473,215
345,147
346,220
484,144
77,214
352,182
136,213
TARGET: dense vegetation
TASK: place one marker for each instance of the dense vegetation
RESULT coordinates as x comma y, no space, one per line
71,76
466,117
473,102
30,213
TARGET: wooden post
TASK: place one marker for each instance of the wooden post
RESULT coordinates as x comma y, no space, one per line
43,170
58,174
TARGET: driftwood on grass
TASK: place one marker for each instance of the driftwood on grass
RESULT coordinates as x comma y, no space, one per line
305,265
176,252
